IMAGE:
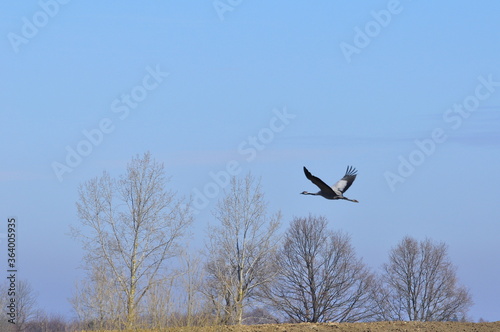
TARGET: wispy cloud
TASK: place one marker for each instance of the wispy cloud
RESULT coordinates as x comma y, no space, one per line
351,140
216,157
481,129
482,139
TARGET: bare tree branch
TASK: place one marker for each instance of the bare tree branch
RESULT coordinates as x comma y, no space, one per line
420,283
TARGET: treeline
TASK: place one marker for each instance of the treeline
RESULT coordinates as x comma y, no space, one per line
132,230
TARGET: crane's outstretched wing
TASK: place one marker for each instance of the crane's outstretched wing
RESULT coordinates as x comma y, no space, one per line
317,181
343,184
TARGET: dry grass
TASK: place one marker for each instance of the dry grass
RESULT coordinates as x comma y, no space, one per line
342,327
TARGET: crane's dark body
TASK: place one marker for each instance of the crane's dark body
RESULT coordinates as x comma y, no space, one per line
337,190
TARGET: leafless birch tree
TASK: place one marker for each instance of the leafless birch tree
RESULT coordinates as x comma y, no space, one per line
130,227
420,283
320,277
240,249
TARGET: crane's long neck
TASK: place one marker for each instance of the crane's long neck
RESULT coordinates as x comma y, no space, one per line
308,193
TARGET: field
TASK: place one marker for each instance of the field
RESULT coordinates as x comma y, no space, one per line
350,327
372,327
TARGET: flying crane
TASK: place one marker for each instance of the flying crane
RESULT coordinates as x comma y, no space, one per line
337,190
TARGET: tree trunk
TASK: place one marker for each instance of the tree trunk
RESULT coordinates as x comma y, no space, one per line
239,306
131,314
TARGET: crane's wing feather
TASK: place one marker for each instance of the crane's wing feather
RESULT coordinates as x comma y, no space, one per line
317,181
343,184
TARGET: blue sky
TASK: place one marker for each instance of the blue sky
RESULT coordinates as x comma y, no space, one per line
201,88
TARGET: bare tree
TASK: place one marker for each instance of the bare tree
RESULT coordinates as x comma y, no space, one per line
158,303
190,285
320,277
43,322
240,248
97,300
179,301
25,305
420,283
131,226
